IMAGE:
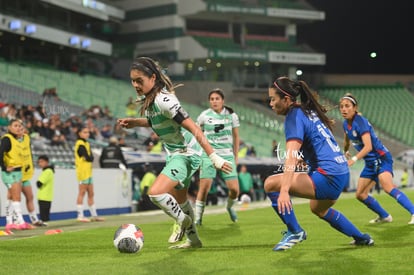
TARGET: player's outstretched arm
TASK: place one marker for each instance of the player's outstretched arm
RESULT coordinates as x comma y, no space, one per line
130,122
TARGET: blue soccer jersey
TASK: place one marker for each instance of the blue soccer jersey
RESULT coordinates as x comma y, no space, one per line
359,127
319,148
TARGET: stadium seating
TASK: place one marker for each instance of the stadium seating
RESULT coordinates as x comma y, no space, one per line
380,104
258,129
72,88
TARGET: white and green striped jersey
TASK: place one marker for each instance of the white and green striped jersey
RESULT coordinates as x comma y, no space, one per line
218,128
176,140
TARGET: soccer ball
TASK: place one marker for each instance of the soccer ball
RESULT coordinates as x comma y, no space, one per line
129,238
245,199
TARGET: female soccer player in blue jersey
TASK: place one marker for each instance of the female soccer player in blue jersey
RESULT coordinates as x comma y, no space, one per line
164,114
308,137
378,160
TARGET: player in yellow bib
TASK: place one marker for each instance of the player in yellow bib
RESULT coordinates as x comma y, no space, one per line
83,164
11,162
27,174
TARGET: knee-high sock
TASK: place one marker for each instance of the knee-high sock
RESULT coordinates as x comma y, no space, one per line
230,202
199,210
341,223
169,205
374,205
402,199
288,219
191,232
16,206
92,208
33,217
9,212
79,208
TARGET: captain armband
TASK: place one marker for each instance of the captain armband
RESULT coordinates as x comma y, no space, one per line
181,115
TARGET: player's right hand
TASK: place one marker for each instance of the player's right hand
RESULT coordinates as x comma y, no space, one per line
126,122
220,163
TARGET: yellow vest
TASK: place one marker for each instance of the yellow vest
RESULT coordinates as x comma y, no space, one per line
404,179
27,169
157,148
14,157
83,167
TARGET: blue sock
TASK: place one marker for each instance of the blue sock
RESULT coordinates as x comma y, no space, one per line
374,205
402,199
341,223
288,219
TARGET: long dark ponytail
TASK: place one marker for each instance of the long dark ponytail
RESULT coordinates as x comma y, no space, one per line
308,99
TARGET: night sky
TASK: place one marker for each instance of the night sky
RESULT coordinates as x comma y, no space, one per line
353,29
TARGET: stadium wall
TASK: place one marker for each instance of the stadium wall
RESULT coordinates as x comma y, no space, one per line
113,193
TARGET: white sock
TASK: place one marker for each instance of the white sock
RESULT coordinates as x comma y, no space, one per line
33,217
92,208
80,211
9,212
169,205
191,232
230,202
18,211
199,210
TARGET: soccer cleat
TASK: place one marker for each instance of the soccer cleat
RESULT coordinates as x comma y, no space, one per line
39,223
179,230
382,220
290,239
83,220
11,226
412,220
25,226
97,219
365,240
176,234
232,213
188,244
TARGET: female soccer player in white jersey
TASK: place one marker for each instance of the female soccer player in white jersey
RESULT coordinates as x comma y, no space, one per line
164,114
308,137
220,125
378,161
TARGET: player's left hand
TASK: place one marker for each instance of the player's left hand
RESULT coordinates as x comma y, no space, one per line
227,167
284,204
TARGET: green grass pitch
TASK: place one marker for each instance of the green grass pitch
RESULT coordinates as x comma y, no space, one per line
241,248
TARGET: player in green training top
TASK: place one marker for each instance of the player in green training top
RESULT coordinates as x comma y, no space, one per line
164,114
220,124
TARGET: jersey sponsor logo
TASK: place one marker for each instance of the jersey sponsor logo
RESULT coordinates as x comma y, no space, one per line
174,172
218,128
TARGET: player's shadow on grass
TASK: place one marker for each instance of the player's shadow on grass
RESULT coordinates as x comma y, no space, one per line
220,231
390,235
